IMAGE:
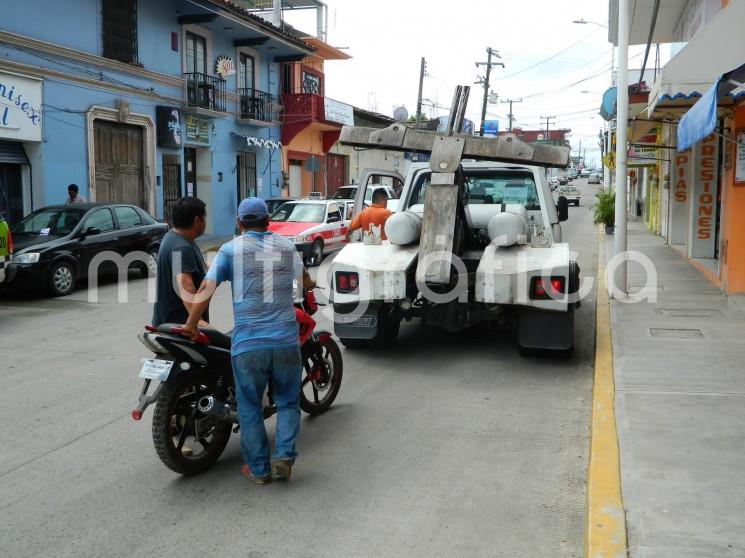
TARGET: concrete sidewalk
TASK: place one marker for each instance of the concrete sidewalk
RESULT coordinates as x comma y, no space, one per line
680,409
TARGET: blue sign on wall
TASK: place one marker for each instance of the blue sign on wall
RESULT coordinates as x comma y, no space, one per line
491,127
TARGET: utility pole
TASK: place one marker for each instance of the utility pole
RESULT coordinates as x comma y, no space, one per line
579,155
510,115
548,120
490,52
422,72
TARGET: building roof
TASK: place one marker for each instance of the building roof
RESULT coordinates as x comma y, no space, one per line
260,23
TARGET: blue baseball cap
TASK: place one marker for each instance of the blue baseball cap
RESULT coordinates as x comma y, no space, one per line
252,207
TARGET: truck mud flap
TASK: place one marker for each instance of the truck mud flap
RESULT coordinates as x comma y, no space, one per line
544,329
353,321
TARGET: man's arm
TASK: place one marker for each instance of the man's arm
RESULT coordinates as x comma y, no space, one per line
198,307
354,225
186,291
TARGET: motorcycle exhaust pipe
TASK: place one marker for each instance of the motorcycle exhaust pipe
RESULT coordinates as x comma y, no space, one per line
211,406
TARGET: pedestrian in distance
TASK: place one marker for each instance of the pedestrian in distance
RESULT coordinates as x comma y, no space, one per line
180,266
262,268
73,196
377,214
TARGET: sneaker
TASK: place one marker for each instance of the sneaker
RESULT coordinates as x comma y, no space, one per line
186,451
282,469
258,480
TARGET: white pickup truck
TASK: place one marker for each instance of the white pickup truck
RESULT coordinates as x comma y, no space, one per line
504,260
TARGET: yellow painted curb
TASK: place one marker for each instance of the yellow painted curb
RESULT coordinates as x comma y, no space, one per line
605,520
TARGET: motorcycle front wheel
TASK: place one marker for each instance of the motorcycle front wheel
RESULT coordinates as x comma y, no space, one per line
322,377
187,441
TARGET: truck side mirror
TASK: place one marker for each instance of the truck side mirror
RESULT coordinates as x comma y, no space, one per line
562,207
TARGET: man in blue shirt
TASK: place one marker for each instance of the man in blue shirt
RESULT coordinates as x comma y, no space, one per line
262,268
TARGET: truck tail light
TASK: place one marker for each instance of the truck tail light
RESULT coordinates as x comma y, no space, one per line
546,289
347,282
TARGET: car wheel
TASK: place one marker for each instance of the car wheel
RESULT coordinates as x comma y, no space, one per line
61,279
316,253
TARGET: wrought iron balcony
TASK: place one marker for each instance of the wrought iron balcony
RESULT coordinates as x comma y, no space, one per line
257,105
205,91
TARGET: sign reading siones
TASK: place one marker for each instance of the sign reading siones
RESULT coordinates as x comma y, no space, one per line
20,107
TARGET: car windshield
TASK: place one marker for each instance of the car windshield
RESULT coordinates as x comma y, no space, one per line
344,193
50,222
491,187
300,213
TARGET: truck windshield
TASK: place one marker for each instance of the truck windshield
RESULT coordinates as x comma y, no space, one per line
300,213
490,188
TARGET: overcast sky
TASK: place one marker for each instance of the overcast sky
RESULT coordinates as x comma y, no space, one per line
544,54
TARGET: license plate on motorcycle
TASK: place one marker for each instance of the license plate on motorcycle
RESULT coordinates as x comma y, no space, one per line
155,369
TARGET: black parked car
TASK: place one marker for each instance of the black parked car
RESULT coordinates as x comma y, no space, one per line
55,245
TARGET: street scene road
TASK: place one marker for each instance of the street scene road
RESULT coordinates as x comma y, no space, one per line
446,445
522,224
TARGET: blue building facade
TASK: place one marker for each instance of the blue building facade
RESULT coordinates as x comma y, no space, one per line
142,102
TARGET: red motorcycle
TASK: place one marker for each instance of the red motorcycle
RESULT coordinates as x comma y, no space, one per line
194,393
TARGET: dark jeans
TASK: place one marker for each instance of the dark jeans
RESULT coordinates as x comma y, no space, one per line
252,371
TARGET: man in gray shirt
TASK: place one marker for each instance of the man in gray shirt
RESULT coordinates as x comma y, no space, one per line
181,267
72,195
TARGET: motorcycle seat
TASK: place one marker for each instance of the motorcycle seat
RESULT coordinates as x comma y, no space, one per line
217,338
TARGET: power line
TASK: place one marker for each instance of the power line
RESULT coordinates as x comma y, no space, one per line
546,59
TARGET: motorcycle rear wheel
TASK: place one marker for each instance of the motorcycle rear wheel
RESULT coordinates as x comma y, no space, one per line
317,396
176,421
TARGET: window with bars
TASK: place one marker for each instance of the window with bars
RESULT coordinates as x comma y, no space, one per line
119,30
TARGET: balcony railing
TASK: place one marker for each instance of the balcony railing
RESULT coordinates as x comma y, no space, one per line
257,105
205,91
303,105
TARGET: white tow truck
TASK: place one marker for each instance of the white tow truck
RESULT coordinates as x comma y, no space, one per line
472,241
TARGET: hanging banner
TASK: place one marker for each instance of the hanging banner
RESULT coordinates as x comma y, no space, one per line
702,235
253,141
679,193
197,129
168,126
740,157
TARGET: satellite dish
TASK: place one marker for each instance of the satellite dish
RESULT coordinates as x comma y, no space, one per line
400,114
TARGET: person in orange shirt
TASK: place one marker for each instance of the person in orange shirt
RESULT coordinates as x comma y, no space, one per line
376,214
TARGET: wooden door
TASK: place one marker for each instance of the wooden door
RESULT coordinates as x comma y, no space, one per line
336,172
171,185
119,152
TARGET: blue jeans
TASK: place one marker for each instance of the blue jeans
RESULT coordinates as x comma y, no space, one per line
252,371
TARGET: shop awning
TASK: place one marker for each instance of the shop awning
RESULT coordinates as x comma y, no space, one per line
701,118
715,50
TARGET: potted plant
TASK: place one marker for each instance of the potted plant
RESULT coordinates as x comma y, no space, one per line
604,210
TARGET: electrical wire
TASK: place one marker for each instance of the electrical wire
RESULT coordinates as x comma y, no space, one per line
546,59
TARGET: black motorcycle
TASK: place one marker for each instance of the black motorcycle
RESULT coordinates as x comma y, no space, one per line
195,403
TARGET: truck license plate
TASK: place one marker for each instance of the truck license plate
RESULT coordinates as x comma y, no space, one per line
155,369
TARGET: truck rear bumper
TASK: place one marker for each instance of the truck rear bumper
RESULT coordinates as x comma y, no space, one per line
356,321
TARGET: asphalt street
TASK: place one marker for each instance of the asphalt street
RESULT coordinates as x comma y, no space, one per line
448,445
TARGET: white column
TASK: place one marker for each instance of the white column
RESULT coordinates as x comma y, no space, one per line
621,285
277,13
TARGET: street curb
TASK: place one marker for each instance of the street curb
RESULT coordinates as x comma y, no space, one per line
605,519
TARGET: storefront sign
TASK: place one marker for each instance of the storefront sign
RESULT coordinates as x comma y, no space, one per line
704,198
643,152
20,107
224,66
740,157
680,186
338,112
197,129
168,124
